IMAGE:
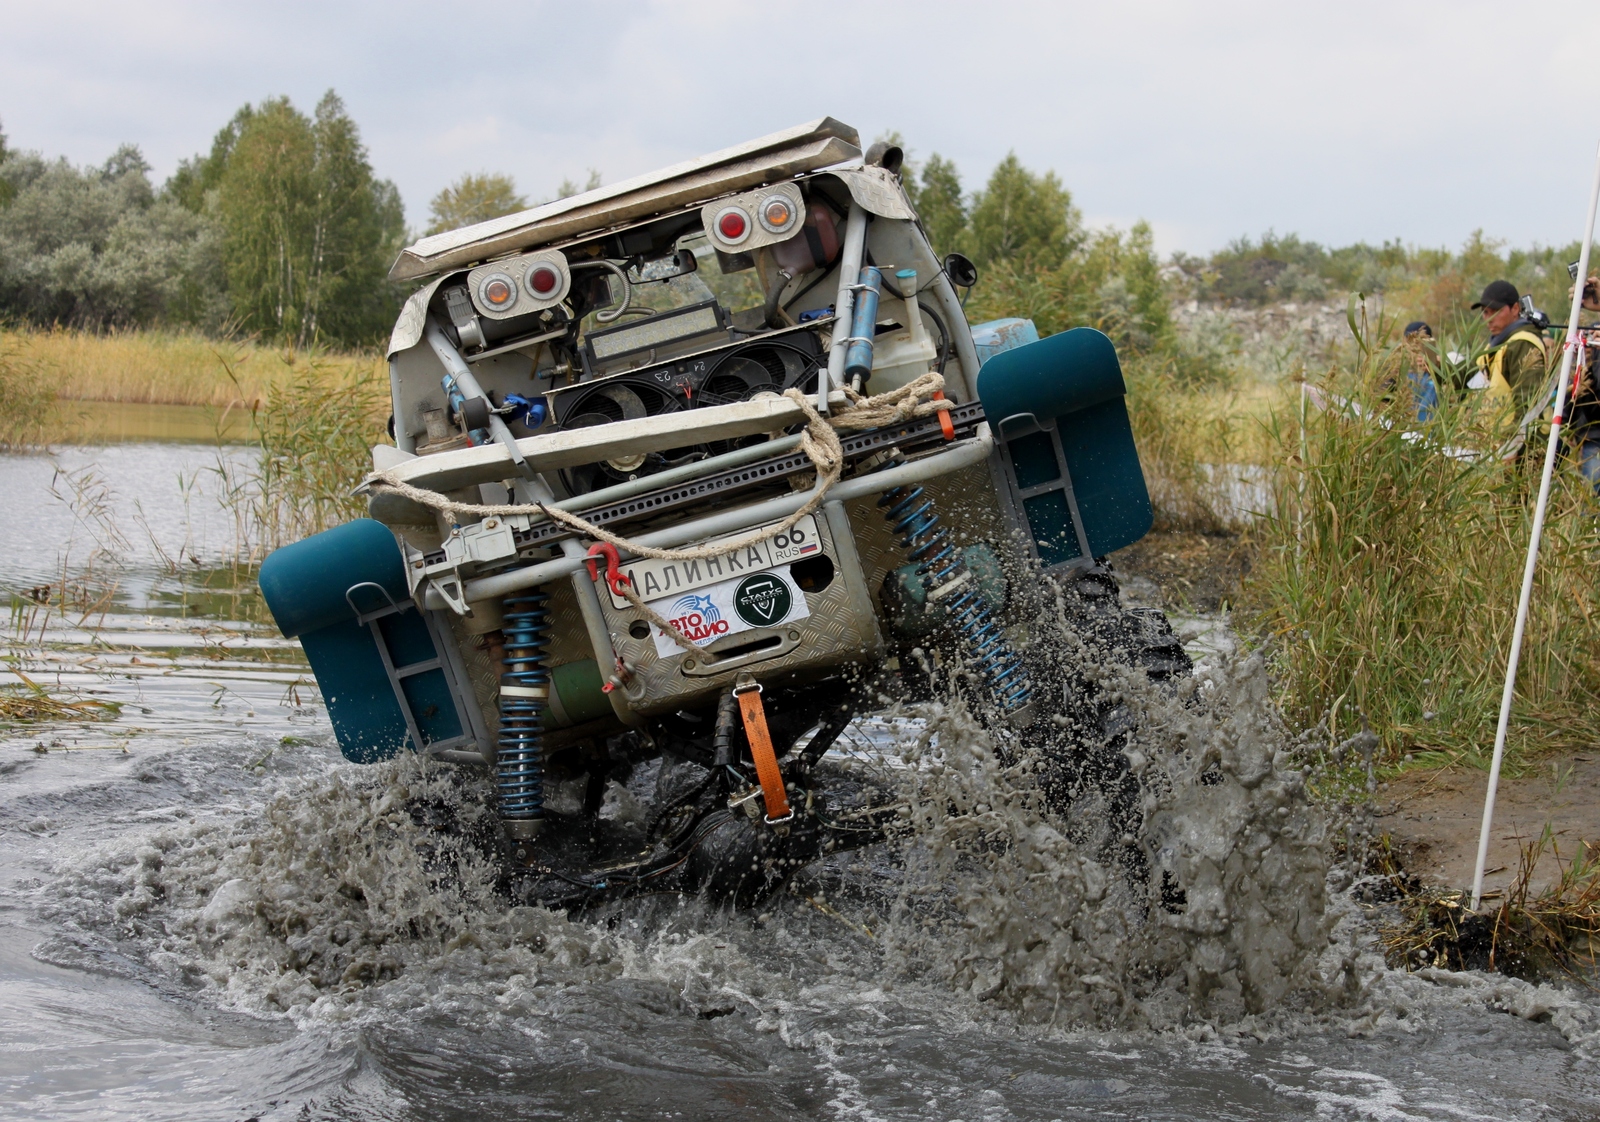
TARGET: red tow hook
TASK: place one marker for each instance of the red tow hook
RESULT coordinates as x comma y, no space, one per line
616,579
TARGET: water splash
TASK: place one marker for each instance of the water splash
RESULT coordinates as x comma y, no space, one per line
1207,900
369,888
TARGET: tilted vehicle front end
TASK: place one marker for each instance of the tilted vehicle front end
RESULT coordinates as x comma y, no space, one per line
688,472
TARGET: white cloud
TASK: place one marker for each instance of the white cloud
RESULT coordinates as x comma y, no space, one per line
1340,122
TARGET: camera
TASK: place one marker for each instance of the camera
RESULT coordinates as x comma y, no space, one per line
1532,314
1589,292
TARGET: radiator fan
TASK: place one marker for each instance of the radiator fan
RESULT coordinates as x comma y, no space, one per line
621,400
741,374
758,368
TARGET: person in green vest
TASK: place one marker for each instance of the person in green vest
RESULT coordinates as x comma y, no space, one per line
1515,365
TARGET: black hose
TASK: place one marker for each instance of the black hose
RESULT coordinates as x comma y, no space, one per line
722,739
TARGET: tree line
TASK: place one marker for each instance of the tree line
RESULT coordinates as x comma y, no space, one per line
283,230
280,230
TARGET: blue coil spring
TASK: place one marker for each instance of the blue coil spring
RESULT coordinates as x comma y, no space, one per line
524,692
927,544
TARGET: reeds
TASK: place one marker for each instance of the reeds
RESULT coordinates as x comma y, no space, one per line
1195,442
26,398
168,367
315,433
1388,575
29,702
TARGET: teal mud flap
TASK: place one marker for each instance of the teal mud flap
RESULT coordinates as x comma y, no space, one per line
1058,410
376,655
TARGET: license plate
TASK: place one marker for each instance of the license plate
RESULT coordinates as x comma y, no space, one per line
654,580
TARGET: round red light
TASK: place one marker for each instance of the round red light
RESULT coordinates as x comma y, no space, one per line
498,292
733,225
543,280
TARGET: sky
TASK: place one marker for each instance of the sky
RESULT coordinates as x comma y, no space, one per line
1341,122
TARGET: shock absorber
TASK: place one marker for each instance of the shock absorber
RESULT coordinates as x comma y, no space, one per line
524,692
945,575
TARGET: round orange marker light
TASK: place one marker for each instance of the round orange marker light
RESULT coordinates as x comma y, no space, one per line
497,291
777,213
733,225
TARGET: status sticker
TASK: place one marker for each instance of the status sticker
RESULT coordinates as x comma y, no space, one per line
763,600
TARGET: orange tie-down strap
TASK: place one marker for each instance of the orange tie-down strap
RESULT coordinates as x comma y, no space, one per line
755,731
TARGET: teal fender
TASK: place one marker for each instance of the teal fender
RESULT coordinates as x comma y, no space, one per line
343,594
1058,409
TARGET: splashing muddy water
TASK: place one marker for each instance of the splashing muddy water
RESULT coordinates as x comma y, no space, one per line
345,885
223,924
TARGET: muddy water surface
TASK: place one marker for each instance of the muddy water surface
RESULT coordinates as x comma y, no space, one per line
209,915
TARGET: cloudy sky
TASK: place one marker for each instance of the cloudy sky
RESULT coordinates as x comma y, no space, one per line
1339,121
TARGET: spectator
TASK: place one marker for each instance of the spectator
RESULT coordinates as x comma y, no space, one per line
1583,425
1515,363
1424,391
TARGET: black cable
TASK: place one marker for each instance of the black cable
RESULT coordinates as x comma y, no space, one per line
822,275
944,337
769,307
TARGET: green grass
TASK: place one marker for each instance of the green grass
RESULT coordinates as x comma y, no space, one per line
1387,577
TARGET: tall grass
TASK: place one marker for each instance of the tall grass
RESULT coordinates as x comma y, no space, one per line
168,367
1195,441
315,433
26,400
1388,577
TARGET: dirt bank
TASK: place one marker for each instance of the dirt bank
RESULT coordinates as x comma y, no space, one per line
1433,817
1192,572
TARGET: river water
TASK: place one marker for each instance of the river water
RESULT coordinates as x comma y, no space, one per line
209,915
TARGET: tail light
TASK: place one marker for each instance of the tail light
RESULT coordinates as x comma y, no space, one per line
777,215
542,280
754,219
497,292
733,225
518,285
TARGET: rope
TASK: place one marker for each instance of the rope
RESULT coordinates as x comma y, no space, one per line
818,441
921,397
667,626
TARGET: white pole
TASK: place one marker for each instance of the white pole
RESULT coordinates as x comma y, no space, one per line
1569,352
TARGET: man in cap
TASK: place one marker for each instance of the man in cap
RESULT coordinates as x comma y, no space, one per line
1515,363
